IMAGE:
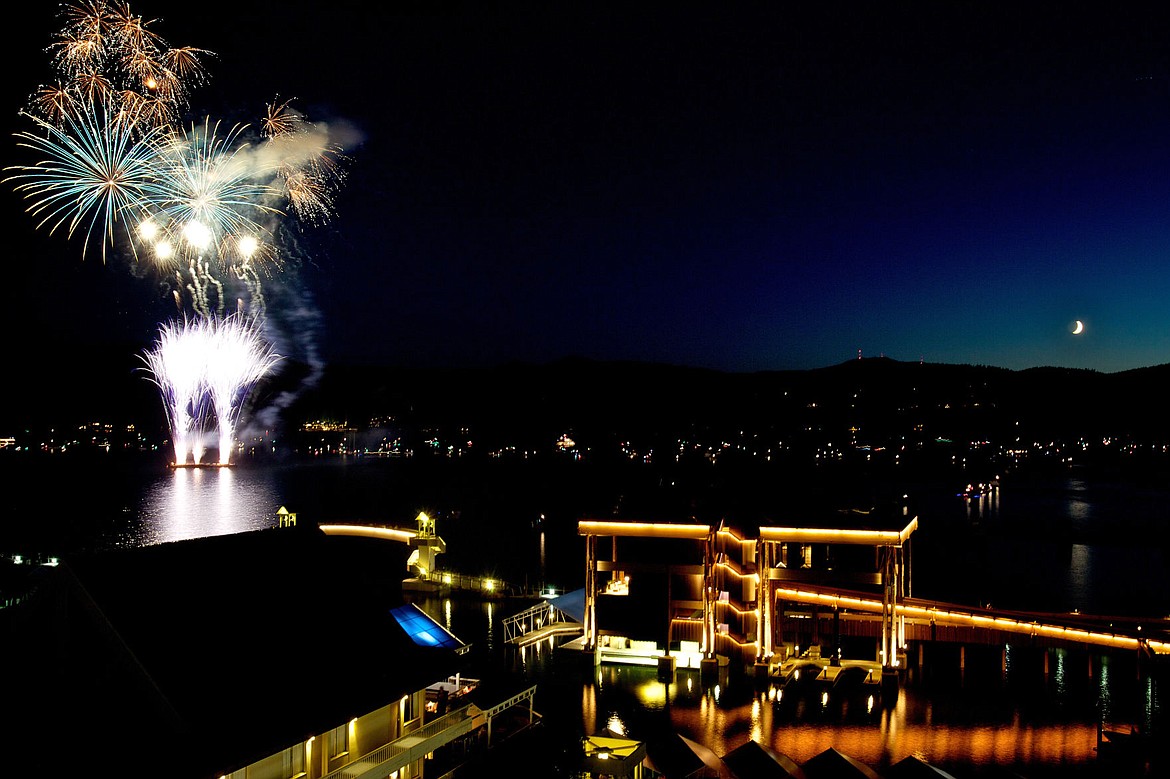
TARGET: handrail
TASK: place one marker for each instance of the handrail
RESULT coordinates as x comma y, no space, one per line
533,618
404,745
530,693
421,741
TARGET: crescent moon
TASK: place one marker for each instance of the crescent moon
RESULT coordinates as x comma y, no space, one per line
1078,328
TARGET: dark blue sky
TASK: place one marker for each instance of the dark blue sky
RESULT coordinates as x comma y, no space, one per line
737,186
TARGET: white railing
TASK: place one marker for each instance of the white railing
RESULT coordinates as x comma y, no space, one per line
420,742
413,746
540,617
516,699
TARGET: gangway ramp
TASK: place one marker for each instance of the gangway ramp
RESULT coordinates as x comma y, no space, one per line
561,616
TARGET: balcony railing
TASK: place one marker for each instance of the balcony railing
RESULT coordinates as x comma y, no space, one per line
420,742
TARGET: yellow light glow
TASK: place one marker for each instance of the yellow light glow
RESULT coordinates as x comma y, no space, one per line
248,245
147,230
198,234
738,574
808,535
728,532
489,585
587,527
368,531
651,694
741,612
950,617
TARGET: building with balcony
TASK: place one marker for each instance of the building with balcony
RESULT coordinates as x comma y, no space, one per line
277,654
701,595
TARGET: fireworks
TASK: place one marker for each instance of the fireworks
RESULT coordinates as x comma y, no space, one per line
201,204
113,154
307,164
96,171
104,53
206,370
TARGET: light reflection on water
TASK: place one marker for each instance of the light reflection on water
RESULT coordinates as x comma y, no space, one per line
635,697
1059,570
188,503
1008,714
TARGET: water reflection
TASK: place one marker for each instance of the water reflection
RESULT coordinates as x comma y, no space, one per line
1058,675
1013,711
186,503
1104,700
489,607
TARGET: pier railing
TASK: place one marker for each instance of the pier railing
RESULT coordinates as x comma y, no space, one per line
418,743
413,746
536,622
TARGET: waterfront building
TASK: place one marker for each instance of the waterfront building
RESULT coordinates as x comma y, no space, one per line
703,595
265,655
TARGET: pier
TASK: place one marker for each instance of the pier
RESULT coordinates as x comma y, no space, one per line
426,576
544,620
672,590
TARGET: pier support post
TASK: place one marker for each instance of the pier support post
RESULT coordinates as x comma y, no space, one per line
835,651
666,668
890,684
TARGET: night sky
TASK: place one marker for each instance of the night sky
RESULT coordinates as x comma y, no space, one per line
741,186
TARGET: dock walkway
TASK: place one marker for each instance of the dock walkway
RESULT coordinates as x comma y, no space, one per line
550,617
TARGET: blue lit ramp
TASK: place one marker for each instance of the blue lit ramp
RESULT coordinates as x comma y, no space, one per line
571,603
423,630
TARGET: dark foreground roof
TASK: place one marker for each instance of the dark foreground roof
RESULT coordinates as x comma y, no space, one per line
832,764
208,654
752,760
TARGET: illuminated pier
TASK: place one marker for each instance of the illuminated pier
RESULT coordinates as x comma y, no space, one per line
426,576
758,598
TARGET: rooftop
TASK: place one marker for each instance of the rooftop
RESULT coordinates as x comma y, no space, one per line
214,652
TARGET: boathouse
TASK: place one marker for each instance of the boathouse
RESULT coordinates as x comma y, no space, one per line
694,594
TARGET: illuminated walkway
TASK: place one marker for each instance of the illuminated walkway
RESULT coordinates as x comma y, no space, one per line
390,759
919,615
539,622
427,546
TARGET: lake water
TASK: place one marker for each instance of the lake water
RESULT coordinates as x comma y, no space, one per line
1059,543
